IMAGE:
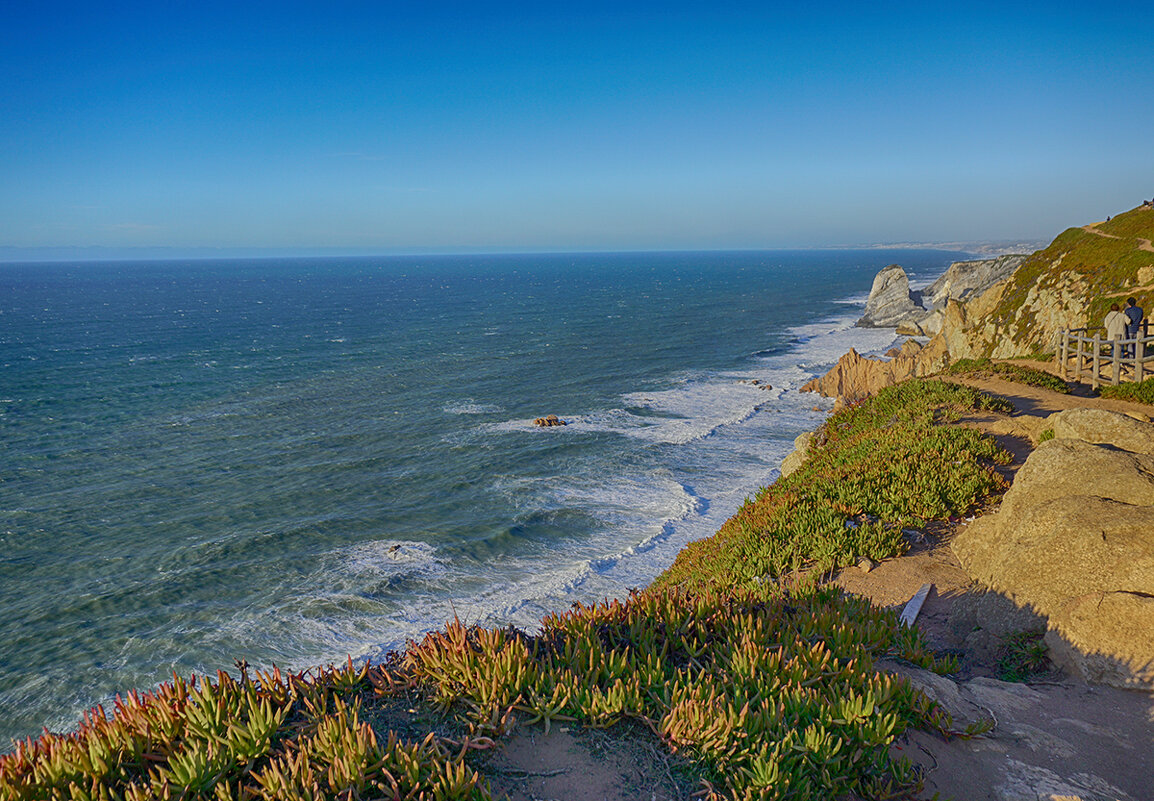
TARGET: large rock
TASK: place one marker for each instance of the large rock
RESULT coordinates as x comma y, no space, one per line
856,376
797,457
890,302
966,279
1074,542
1101,426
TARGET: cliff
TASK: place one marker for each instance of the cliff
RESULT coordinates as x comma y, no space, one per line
892,304
1011,306
1070,284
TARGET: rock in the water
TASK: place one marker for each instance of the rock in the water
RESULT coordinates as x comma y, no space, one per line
890,302
550,420
1074,542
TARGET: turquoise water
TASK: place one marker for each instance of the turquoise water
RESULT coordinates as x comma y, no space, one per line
291,461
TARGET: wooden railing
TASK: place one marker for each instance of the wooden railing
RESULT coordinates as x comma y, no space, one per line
1106,360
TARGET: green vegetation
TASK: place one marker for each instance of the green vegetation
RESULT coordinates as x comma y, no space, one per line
1023,655
767,688
771,694
1103,269
1046,436
1141,392
875,468
1017,373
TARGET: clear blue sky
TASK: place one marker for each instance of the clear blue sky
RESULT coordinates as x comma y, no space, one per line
489,126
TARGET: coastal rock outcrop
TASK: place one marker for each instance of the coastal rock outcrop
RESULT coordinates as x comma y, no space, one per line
1074,541
922,313
549,421
890,301
797,456
855,376
968,279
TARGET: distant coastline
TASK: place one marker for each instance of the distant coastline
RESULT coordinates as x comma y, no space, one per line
80,253
980,248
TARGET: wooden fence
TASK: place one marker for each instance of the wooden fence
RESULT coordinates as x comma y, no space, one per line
1105,360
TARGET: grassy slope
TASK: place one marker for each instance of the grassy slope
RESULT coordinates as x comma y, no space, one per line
1106,269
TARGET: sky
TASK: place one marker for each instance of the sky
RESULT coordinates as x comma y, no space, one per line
491,126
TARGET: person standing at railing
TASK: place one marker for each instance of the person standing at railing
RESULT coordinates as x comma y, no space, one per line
1134,314
1116,323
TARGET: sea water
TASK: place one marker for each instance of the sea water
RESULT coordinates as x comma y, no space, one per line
294,461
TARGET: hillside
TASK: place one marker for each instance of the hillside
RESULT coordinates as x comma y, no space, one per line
1069,284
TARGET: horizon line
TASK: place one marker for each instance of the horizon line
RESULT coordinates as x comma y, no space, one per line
12,254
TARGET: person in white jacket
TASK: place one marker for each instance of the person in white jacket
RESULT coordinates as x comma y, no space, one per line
1115,323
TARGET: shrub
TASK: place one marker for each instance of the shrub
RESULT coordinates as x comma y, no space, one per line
1017,373
1142,392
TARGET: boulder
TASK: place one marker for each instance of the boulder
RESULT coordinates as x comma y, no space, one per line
1074,542
549,421
890,302
1100,426
796,458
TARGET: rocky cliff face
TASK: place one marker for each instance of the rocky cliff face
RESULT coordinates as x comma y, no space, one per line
1006,307
1069,284
890,302
967,279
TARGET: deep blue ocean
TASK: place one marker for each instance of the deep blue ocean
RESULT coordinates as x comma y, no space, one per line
293,461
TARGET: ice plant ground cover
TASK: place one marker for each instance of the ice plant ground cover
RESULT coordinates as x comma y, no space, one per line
874,470
768,687
1018,373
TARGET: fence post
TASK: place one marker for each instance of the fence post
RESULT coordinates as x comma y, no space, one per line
1078,363
1065,347
1097,361
1139,357
1116,367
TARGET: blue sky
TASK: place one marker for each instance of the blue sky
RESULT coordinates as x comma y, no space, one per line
398,126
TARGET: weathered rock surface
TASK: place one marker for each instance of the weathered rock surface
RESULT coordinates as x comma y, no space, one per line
1047,742
549,421
1074,542
855,376
1103,427
797,457
890,302
967,279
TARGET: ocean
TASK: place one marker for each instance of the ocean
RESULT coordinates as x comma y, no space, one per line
291,461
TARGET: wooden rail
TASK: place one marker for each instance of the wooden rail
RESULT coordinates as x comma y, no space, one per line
1106,360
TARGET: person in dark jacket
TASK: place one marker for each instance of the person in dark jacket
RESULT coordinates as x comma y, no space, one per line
1134,314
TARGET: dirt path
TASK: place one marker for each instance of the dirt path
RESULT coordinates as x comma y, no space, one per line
1143,244
1092,228
1055,738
